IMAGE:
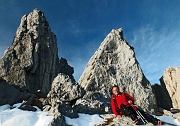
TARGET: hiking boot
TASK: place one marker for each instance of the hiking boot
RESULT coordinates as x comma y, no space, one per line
159,122
136,121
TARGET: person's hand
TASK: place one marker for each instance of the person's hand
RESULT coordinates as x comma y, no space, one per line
118,116
130,102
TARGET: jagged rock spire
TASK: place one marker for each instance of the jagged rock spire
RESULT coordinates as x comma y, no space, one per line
31,62
114,63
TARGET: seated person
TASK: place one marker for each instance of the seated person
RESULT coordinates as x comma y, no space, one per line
122,103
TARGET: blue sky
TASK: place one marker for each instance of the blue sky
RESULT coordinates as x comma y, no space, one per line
152,27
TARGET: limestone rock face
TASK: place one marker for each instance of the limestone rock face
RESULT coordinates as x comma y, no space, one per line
65,89
162,97
114,63
31,62
171,82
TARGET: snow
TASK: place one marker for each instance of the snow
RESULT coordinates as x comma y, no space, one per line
85,120
169,119
91,120
12,116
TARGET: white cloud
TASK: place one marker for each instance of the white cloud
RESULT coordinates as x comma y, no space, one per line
156,50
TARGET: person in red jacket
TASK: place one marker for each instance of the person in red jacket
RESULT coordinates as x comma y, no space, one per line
121,104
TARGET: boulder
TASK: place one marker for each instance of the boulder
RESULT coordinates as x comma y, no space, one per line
68,110
10,95
170,83
114,63
64,109
58,119
64,93
64,89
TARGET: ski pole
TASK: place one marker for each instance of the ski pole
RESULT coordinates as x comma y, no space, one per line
139,114
142,117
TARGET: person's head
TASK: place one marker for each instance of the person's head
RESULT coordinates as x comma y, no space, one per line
115,90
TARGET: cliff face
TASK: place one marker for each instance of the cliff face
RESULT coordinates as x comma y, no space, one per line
10,95
114,63
170,83
31,62
162,97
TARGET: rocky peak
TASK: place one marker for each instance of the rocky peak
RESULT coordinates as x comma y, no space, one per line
33,24
114,63
31,62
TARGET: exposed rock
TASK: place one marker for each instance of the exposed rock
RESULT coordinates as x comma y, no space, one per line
46,108
90,106
175,111
64,89
68,111
170,81
108,119
114,63
166,112
64,92
34,101
177,116
26,106
10,95
60,107
31,62
111,120
59,119
65,68
124,121
162,97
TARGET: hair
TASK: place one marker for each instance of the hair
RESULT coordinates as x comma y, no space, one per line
115,86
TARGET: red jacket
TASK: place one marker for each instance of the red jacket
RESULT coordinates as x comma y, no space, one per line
120,99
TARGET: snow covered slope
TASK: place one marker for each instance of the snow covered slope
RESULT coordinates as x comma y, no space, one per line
12,116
